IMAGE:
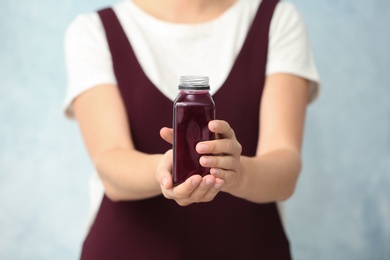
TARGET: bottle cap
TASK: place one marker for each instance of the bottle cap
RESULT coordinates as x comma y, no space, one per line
194,82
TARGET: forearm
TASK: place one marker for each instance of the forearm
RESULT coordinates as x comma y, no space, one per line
128,174
273,173
269,177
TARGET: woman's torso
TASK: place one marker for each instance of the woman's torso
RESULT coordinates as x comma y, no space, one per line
157,228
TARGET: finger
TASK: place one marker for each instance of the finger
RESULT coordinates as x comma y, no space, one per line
163,171
220,146
184,190
214,190
222,128
166,134
223,162
198,195
219,173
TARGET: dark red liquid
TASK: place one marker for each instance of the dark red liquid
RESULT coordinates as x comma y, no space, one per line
192,113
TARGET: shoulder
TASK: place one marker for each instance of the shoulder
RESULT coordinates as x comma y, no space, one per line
289,46
286,14
85,33
90,23
82,25
287,22
285,8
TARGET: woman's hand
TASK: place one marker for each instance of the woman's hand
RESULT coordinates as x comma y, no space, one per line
194,190
222,155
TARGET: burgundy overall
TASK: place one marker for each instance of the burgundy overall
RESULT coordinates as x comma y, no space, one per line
158,228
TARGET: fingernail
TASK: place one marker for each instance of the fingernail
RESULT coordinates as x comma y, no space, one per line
195,182
202,148
217,186
164,182
213,124
205,161
209,181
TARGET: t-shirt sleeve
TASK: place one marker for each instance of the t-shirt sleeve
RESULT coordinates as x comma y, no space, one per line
289,49
87,56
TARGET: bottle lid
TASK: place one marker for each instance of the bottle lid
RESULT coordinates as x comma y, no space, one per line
194,82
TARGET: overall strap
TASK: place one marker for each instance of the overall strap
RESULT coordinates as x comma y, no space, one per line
256,42
141,98
238,100
122,53
261,26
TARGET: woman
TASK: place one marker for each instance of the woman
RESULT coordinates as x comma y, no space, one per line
124,64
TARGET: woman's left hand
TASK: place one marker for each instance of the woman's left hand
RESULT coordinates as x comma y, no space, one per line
222,155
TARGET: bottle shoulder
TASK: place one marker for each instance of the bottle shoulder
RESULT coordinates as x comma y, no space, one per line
194,99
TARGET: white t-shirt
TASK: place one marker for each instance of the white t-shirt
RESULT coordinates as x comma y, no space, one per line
167,51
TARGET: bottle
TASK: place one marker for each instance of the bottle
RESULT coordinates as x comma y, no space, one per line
193,109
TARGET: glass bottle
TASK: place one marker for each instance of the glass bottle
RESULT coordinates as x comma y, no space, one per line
193,109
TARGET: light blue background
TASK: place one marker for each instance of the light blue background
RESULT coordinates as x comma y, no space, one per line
341,209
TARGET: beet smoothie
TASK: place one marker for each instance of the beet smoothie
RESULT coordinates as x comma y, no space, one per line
193,109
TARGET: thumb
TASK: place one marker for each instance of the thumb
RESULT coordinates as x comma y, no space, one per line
167,134
163,170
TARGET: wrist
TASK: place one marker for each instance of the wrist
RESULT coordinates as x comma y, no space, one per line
239,188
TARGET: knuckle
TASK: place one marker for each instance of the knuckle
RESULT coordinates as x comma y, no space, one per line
207,199
210,196
239,148
232,161
179,194
212,146
195,198
200,197
182,203
232,131
229,146
226,124
166,194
